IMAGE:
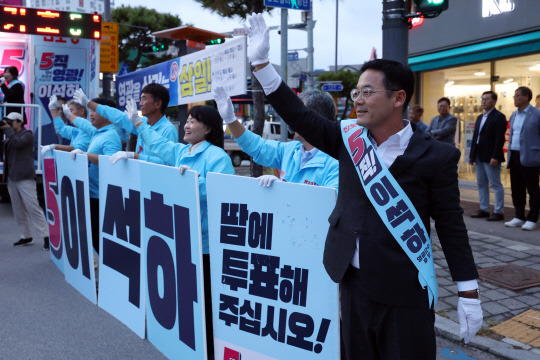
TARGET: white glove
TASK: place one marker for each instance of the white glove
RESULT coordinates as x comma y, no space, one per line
2,80
121,155
75,152
224,105
131,112
470,317
259,39
53,102
267,180
183,168
65,109
80,97
46,148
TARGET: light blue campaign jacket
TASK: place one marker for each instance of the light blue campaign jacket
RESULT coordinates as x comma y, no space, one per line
78,139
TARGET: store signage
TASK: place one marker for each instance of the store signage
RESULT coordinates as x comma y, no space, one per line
496,7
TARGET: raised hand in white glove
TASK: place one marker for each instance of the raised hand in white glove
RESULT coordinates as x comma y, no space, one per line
470,317
224,105
259,39
183,168
131,112
65,109
46,148
75,152
2,80
267,180
121,155
80,97
53,103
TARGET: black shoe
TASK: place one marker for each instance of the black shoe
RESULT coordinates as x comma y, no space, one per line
22,241
480,214
46,243
495,217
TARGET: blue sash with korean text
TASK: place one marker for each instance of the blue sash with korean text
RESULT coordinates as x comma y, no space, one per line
392,204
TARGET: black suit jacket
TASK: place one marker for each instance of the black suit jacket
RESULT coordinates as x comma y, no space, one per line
492,138
427,172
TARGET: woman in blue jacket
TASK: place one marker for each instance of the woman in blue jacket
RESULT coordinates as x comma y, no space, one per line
204,153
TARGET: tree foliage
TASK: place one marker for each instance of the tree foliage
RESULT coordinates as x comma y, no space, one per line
348,79
137,36
230,8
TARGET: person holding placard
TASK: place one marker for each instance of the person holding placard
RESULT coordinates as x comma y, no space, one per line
105,141
393,179
299,161
204,153
154,101
78,139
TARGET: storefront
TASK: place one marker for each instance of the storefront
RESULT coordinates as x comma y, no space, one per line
475,46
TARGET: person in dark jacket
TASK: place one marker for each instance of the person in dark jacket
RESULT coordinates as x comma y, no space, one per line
487,155
13,90
20,174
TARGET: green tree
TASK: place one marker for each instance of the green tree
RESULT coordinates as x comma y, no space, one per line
348,79
136,24
241,8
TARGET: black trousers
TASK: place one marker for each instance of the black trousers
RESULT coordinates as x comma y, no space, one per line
94,218
375,331
524,179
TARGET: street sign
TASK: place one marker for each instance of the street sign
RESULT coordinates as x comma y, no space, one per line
303,76
108,47
239,31
332,87
289,4
292,56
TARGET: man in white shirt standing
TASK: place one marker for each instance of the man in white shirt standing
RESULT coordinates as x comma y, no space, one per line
524,159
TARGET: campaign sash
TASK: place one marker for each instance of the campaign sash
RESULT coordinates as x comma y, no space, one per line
392,204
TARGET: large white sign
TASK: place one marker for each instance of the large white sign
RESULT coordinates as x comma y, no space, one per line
496,7
271,296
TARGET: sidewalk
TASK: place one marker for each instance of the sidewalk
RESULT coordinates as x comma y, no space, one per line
499,304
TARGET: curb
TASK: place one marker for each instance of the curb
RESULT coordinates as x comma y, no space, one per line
506,348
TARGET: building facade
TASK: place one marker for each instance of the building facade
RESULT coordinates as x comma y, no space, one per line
475,46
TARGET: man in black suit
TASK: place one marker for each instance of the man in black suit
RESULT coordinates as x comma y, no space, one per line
487,155
385,312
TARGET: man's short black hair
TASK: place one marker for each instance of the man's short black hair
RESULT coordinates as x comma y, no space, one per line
158,92
525,91
104,101
396,76
492,93
447,100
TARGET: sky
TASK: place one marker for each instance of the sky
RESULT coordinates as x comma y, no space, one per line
359,27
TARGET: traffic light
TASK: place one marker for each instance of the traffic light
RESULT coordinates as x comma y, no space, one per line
431,6
215,41
159,47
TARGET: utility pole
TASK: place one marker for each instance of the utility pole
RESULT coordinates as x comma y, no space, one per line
310,50
284,59
107,77
395,31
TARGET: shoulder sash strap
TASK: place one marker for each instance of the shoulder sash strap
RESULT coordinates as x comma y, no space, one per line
392,204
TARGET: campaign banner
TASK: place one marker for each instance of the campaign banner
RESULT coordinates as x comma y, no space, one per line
223,65
175,309
76,227
62,66
189,78
51,192
271,296
121,276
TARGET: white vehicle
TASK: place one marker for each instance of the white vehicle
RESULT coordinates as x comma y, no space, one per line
271,131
